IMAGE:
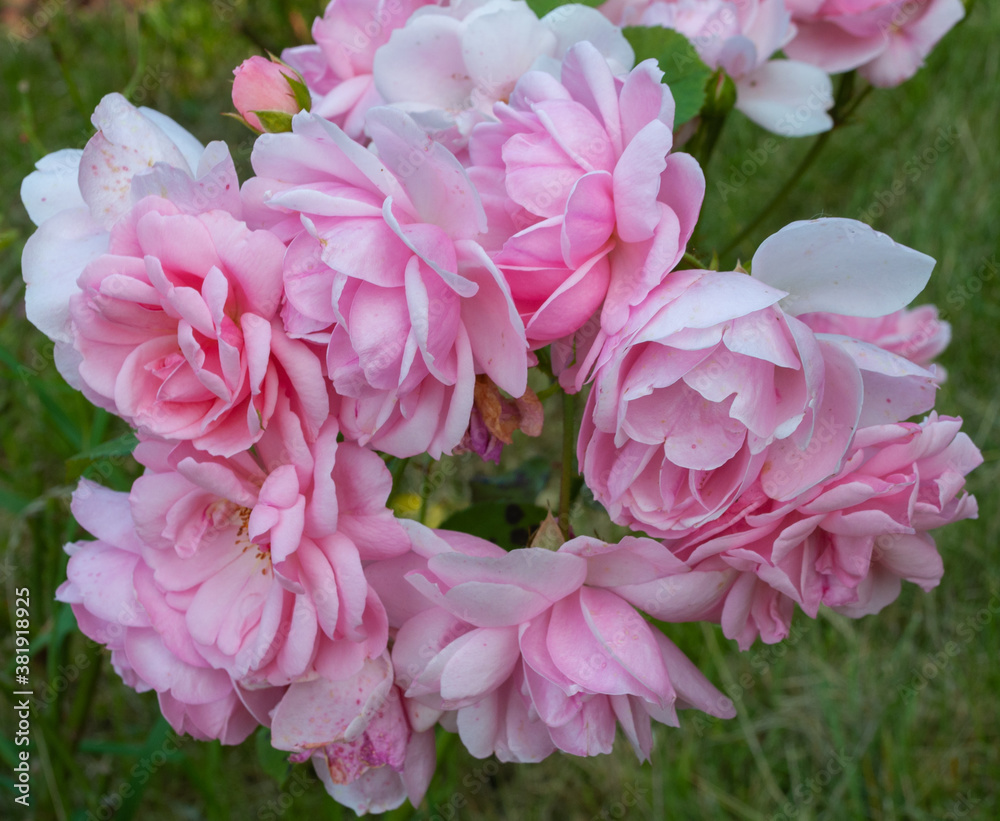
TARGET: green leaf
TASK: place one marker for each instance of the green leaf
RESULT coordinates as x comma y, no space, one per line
543,7
275,122
8,752
242,121
506,524
303,99
122,446
683,70
129,749
66,427
161,740
13,502
273,762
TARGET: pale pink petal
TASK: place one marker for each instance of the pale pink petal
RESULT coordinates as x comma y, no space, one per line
787,97
842,266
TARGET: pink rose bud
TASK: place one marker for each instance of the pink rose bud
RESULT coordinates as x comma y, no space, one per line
267,93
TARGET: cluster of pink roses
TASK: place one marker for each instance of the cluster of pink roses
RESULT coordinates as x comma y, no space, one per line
474,184
448,63
886,40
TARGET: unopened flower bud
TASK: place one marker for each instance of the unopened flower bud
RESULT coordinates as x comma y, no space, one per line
267,93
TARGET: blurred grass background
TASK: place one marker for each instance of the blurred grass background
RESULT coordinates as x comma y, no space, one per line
891,717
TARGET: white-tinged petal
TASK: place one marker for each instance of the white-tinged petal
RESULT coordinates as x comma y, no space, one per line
787,97
842,266
52,187
573,23
53,258
186,142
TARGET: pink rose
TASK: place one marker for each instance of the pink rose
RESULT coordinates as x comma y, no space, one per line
916,334
195,698
338,69
261,85
713,382
384,267
451,63
176,329
887,40
359,738
688,398
787,97
533,650
847,542
254,563
75,197
586,204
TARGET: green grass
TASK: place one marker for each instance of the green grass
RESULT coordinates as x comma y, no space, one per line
890,717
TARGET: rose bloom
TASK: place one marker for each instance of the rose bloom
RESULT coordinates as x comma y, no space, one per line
532,650
886,40
587,206
195,698
688,398
338,69
713,381
788,97
847,542
450,64
254,563
384,268
75,197
358,736
176,329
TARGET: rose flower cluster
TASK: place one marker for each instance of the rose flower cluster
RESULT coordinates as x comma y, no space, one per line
440,194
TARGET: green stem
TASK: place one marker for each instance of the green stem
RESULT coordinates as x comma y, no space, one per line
721,97
783,192
544,362
68,77
52,782
396,469
425,492
133,35
843,108
691,259
547,391
702,144
568,446
28,127
763,767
